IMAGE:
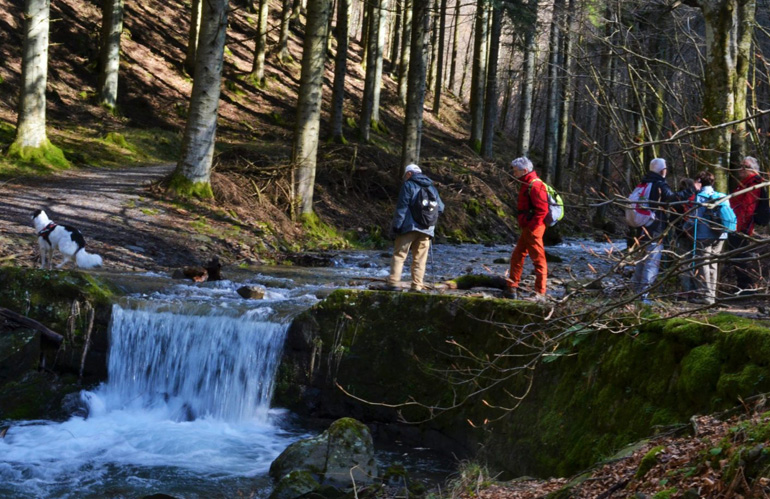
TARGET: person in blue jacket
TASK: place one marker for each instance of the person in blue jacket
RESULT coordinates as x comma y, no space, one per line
411,235
708,241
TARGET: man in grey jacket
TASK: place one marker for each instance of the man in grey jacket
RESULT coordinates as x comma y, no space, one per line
410,233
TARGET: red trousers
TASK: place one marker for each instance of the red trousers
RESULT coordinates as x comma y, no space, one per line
530,243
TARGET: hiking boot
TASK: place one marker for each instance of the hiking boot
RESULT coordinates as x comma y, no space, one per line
416,290
391,287
540,298
511,293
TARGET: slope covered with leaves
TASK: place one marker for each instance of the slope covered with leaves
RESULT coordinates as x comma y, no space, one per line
356,183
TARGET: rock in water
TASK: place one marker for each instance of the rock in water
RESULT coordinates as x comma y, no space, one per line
345,449
251,292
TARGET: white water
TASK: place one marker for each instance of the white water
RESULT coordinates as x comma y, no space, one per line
185,412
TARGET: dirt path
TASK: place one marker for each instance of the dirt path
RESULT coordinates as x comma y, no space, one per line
116,212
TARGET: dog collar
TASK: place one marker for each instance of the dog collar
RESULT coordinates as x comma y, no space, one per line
47,230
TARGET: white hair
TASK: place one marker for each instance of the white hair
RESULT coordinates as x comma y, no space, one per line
522,163
751,163
657,165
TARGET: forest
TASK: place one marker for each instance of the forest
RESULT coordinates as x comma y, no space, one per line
579,86
236,164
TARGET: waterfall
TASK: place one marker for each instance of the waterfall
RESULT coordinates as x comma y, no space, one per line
196,366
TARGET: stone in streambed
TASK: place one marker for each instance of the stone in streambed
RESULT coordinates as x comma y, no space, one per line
343,451
251,292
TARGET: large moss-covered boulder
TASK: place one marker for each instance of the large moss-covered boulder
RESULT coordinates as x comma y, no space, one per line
341,456
591,393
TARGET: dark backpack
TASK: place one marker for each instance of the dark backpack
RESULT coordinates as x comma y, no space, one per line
762,210
424,207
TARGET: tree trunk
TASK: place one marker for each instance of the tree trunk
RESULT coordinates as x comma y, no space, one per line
508,94
109,56
552,102
31,143
296,10
478,76
728,23
565,109
410,151
528,84
378,61
406,41
310,93
606,71
260,47
433,44
746,15
283,39
373,62
466,61
366,34
192,37
193,172
395,39
440,61
455,36
490,105
340,70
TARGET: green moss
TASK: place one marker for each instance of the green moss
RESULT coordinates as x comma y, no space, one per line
47,155
476,146
351,122
648,461
700,373
666,494
180,185
473,207
320,234
119,140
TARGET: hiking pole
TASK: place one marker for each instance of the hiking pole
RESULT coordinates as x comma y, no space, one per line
432,270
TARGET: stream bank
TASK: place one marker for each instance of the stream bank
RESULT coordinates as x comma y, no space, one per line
414,355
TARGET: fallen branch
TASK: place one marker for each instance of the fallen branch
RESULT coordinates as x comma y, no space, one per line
33,324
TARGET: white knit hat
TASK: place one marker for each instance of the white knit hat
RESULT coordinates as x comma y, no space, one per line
657,165
412,168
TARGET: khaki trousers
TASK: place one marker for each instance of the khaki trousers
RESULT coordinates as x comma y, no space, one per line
419,243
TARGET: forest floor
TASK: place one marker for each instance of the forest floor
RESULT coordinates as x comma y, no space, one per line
715,456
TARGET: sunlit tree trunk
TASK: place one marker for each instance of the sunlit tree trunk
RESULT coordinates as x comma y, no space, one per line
406,41
440,59
109,56
306,135
193,172
258,68
729,27
490,105
410,151
743,55
478,76
340,69
192,37
31,142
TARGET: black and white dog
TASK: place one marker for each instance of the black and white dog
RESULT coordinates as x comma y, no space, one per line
68,240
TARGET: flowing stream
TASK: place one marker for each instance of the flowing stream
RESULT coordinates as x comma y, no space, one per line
185,410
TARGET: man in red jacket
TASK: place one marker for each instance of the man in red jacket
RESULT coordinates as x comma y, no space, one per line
744,205
532,209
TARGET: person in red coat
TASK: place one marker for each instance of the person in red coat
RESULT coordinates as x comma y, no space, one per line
744,205
532,209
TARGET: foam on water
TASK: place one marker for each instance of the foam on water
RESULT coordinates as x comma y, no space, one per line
186,405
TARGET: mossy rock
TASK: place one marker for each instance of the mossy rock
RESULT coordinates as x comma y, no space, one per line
596,393
295,484
345,449
19,352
